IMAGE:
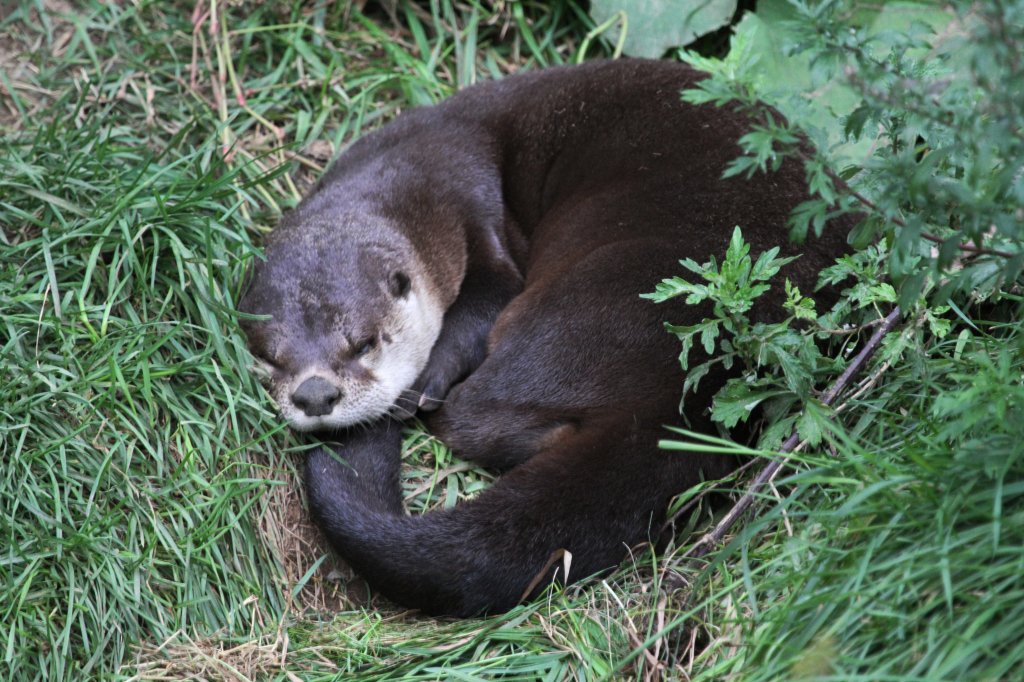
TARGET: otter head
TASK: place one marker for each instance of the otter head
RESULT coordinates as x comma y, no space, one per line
352,319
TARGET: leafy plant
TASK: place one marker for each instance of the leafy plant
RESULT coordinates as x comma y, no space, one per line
779,363
886,551
944,186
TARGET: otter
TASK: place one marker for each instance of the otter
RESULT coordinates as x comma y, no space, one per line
481,262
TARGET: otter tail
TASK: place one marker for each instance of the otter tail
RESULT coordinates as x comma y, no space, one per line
593,494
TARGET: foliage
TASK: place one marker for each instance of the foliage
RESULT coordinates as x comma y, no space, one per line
779,364
895,553
890,554
944,113
648,28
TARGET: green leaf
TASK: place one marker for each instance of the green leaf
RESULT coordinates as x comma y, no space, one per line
937,325
801,307
692,380
654,26
671,288
693,266
735,402
738,248
807,215
776,432
708,330
708,335
767,265
684,354
883,293
910,289
810,425
853,126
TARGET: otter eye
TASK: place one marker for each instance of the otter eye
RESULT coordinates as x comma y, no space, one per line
366,346
399,284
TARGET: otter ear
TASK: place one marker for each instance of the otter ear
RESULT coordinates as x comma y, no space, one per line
398,284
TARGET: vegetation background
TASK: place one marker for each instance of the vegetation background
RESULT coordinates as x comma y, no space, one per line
150,519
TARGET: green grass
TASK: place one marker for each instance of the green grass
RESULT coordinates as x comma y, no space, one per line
150,514
901,558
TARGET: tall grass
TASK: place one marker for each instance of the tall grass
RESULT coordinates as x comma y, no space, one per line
134,442
150,520
898,555
145,150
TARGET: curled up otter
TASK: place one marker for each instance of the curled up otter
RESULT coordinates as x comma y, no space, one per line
482,261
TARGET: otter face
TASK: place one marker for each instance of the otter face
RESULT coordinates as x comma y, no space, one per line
351,327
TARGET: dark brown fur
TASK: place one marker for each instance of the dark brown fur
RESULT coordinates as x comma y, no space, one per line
544,205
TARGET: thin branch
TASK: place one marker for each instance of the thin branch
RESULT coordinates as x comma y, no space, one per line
872,206
669,525
866,385
715,536
762,117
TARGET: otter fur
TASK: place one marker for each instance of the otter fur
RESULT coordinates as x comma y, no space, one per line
483,260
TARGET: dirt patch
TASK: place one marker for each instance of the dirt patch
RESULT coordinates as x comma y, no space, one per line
299,545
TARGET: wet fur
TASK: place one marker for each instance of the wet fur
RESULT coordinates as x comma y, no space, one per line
539,208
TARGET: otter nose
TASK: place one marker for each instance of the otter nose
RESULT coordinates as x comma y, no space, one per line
316,396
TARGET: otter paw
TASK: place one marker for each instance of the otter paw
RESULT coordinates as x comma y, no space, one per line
462,344
448,366
434,385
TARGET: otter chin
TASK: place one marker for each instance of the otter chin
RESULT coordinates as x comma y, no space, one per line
482,260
